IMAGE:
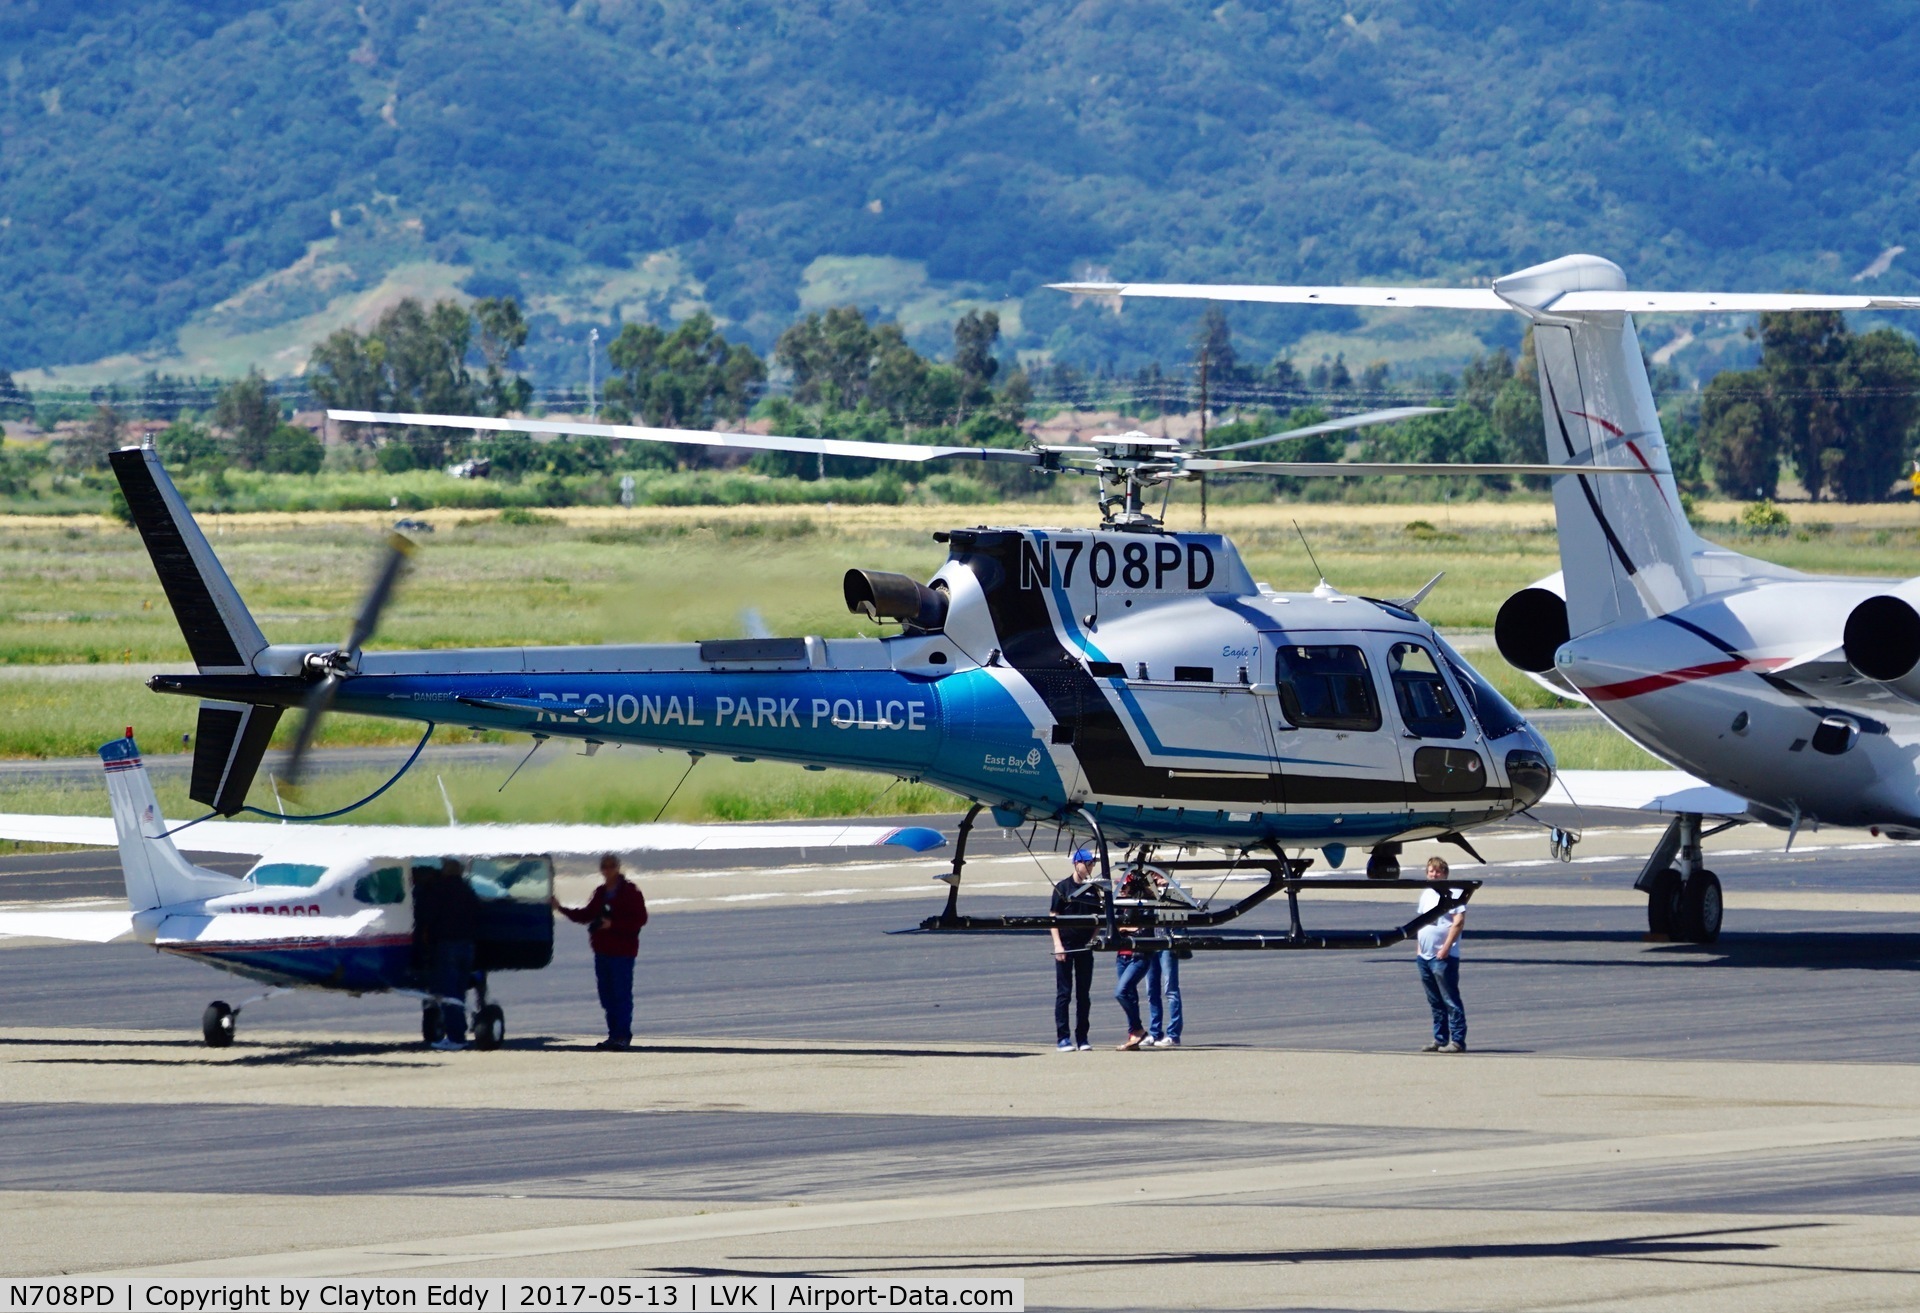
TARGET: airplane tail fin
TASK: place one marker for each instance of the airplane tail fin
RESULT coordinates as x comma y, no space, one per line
230,737
156,874
1626,548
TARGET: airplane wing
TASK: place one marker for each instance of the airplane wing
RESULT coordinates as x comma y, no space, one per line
1666,792
253,838
70,927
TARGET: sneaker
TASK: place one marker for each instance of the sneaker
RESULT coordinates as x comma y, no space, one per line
1065,1046
1134,1041
1170,1042
615,1044
1452,1048
1085,1047
449,1045
1433,1047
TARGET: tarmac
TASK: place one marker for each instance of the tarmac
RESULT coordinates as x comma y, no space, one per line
1636,1125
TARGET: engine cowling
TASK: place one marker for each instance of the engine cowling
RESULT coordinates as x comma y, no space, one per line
1530,628
1882,642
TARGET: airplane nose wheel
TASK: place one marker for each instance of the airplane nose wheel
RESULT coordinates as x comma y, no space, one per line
489,1027
217,1024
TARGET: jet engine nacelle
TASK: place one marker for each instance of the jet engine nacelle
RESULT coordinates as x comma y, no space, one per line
1530,628
1882,642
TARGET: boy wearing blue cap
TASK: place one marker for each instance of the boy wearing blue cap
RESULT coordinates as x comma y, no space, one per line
1073,953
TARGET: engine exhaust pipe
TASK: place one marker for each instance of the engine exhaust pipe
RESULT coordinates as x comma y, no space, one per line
878,595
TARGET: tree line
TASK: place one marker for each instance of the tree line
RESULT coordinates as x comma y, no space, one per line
1836,408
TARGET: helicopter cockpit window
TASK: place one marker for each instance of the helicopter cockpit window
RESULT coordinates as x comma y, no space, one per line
1496,715
1326,688
1426,705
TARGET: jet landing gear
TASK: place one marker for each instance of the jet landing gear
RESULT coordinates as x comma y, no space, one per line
1683,896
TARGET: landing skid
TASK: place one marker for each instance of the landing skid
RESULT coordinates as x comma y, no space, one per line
1184,927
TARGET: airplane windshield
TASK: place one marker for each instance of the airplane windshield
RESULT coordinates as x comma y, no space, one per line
298,875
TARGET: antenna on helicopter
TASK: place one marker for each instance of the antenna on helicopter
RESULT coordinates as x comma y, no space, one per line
1309,546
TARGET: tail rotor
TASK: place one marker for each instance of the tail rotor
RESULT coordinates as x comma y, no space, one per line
333,668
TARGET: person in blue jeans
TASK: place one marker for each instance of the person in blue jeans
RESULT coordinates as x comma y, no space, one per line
1163,1024
614,917
1438,958
1131,969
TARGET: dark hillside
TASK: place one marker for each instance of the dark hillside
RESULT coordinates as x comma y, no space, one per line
158,156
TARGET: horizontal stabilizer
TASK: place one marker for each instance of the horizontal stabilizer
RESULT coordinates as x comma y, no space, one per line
1472,298
68,927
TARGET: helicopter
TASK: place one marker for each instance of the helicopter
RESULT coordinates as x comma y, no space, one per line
1785,698
1127,681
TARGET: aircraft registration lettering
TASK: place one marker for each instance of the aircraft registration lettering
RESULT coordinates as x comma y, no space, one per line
1137,565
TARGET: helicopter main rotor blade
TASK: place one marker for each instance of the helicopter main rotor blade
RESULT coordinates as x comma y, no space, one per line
1340,469
1366,420
901,451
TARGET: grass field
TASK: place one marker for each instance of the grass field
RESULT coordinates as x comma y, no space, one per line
83,621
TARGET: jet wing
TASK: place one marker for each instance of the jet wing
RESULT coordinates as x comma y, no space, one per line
1667,792
70,927
328,842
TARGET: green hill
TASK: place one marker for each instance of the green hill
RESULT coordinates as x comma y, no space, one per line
210,181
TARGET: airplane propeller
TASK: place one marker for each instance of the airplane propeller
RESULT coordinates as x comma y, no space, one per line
334,667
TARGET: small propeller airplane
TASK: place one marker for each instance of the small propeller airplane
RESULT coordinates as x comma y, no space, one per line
331,907
1792,699
1128,682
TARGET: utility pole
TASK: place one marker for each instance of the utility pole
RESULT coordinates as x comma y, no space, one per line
1206,353
593,351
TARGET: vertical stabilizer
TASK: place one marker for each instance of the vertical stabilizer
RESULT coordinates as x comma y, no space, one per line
1625,545
219,631
231,737
157,875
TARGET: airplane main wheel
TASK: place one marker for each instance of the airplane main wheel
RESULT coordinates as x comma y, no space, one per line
431,1028
489,1027
216,1025
1663,903
1697,920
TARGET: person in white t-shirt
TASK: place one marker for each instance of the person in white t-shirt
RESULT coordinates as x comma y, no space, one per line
1438,957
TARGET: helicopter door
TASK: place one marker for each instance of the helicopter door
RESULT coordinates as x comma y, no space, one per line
1443,753
1336,752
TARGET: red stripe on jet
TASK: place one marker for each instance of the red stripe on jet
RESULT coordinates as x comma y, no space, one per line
1633,447
1633,688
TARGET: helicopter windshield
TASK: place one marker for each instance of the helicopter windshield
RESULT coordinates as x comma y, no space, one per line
1496,715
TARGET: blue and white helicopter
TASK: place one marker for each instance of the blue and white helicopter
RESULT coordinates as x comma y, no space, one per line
331,907
1128,682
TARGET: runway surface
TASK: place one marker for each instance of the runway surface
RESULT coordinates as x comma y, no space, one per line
1637,1125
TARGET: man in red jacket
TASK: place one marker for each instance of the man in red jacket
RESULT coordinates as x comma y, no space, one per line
613,917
